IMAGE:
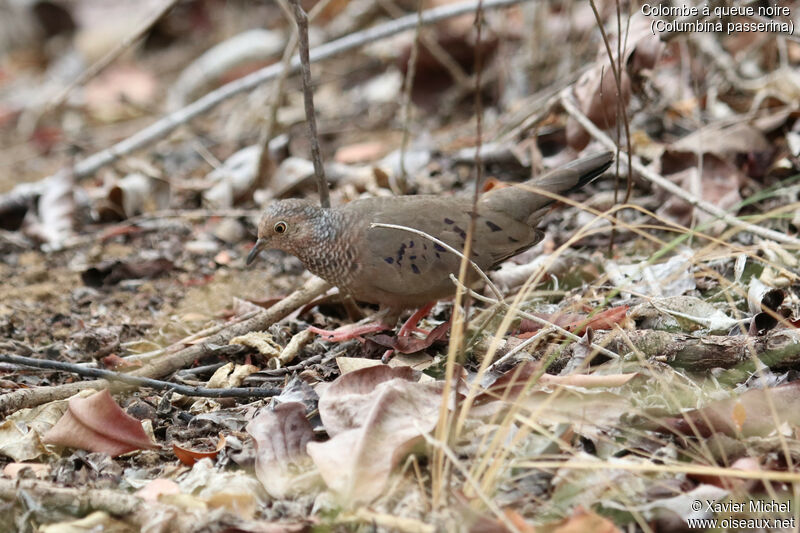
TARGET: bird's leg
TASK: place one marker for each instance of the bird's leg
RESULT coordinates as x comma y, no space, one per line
410,325
345,333
385,319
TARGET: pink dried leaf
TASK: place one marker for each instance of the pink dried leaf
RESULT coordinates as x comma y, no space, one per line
394,415
280,437
98,424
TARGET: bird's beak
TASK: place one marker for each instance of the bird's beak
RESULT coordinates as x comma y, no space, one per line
257,247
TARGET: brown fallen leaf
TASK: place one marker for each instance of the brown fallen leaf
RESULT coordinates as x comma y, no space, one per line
282,463
747,415
376,417
98,424
190,457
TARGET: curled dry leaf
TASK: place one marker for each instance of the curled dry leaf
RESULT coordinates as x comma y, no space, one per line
375,416
21,432
408,344
230,375
343,403
261,341
98,424
748,415
235,180
190,457
282,464
235,491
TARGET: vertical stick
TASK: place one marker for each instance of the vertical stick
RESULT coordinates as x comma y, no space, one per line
308,97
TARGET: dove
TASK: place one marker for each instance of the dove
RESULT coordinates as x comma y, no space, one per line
399,270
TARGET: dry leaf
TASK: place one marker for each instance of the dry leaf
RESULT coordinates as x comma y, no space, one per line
282,463
376,416
190,457
98,424
748,415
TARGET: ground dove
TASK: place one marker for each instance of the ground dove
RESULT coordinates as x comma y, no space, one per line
399,270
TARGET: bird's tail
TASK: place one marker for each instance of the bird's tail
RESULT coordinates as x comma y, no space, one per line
522,200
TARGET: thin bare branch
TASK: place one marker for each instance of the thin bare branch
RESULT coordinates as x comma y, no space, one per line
569,105
308,98
168,123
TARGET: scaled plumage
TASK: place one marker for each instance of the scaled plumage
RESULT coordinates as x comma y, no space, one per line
399,270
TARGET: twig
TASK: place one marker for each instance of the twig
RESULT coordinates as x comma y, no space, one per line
308,98
265,167
569,105
411,72
274,372
101,64
205,392
170,363
167,124
538,320
80,500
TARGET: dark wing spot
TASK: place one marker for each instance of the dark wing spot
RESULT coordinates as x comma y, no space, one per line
410,244
439,247
389,260
461,232
438,256
447,221
414,268
424,246
400,252
412,257
512,239
493,226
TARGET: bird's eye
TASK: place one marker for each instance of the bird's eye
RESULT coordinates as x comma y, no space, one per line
279,227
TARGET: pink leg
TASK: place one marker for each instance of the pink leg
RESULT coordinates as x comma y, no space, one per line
348,332
410,325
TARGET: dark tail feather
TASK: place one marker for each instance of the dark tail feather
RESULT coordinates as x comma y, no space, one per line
587,169
519,202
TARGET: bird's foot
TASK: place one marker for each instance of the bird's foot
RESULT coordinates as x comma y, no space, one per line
410,325
346,333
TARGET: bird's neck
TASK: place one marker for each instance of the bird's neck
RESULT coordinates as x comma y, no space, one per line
330,253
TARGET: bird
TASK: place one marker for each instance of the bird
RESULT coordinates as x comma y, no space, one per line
400,270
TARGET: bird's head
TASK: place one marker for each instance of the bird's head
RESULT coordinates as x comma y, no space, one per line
286,225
